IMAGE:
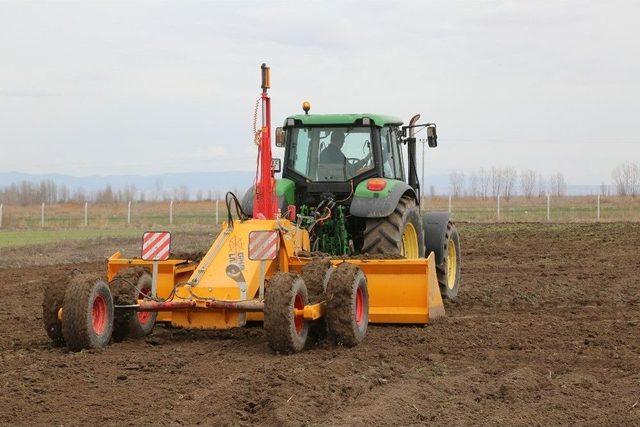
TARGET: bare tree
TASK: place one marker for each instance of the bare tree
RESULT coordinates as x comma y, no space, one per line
604,189
528,183
456,183
483,181
496,181
543,188
509,177
626,178
432,191
474,185
558,185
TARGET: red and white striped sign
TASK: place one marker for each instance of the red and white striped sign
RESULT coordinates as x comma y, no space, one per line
263,245
156,245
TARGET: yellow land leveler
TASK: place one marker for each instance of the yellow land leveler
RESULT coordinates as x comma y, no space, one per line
335,244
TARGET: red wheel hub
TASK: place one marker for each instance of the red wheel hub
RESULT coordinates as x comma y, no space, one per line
99,315
144,316
298,320
359,306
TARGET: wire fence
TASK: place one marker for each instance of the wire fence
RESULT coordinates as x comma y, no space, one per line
156,214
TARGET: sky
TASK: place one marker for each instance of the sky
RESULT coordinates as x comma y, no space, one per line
151,87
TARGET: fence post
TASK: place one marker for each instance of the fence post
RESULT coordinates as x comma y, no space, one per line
598,209
216,212
498,206
449,203
0,215
86,214
548,207
129,213
171,213
42,215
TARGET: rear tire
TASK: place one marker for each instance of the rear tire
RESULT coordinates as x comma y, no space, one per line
449,270
285,332
87,313
347,313
130,323
399,234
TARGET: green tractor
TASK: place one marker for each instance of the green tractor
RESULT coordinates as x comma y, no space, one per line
345,179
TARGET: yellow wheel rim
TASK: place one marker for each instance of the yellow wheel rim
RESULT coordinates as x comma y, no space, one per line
410,242
452,265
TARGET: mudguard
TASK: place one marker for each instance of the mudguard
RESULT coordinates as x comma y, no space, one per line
379,204
435,228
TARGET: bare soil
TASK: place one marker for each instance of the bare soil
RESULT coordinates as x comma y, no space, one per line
546,330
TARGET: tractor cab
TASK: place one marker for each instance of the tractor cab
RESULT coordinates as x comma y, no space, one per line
334,153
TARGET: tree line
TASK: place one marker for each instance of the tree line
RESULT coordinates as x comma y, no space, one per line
48,191
507,182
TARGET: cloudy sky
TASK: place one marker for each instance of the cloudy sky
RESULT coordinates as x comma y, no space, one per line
152,87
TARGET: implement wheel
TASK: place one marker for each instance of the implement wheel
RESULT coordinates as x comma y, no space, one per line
398,234
316,276
51,305
449,270
129,285
347,305
286,331
87,313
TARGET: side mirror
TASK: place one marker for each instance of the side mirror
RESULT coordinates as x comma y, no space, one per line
276,165
432,136
280,137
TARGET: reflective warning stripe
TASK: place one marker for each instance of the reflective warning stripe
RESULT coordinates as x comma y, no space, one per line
156,246
263,245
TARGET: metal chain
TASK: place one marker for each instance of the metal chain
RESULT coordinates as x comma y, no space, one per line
256,133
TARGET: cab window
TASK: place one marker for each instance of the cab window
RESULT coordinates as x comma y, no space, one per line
388,164
397,155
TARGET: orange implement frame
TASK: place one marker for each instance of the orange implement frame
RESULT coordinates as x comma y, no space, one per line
170,272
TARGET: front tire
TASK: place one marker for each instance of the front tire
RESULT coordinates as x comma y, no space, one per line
347,313
286,332
400,234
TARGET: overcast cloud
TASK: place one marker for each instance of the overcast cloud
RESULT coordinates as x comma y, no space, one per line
142,88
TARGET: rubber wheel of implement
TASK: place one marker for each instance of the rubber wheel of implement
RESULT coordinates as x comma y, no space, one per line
129,323
385,235
285,332
51,305
87,313
347,313
316,276
449,270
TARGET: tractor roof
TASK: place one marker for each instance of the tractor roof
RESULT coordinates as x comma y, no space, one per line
344,119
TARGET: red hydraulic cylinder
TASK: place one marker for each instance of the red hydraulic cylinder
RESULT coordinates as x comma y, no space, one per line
265,204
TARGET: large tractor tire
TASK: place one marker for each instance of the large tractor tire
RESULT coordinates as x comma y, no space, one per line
51,305
87,313
316,276
449,270
347,313
399,234
127,287
286,332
